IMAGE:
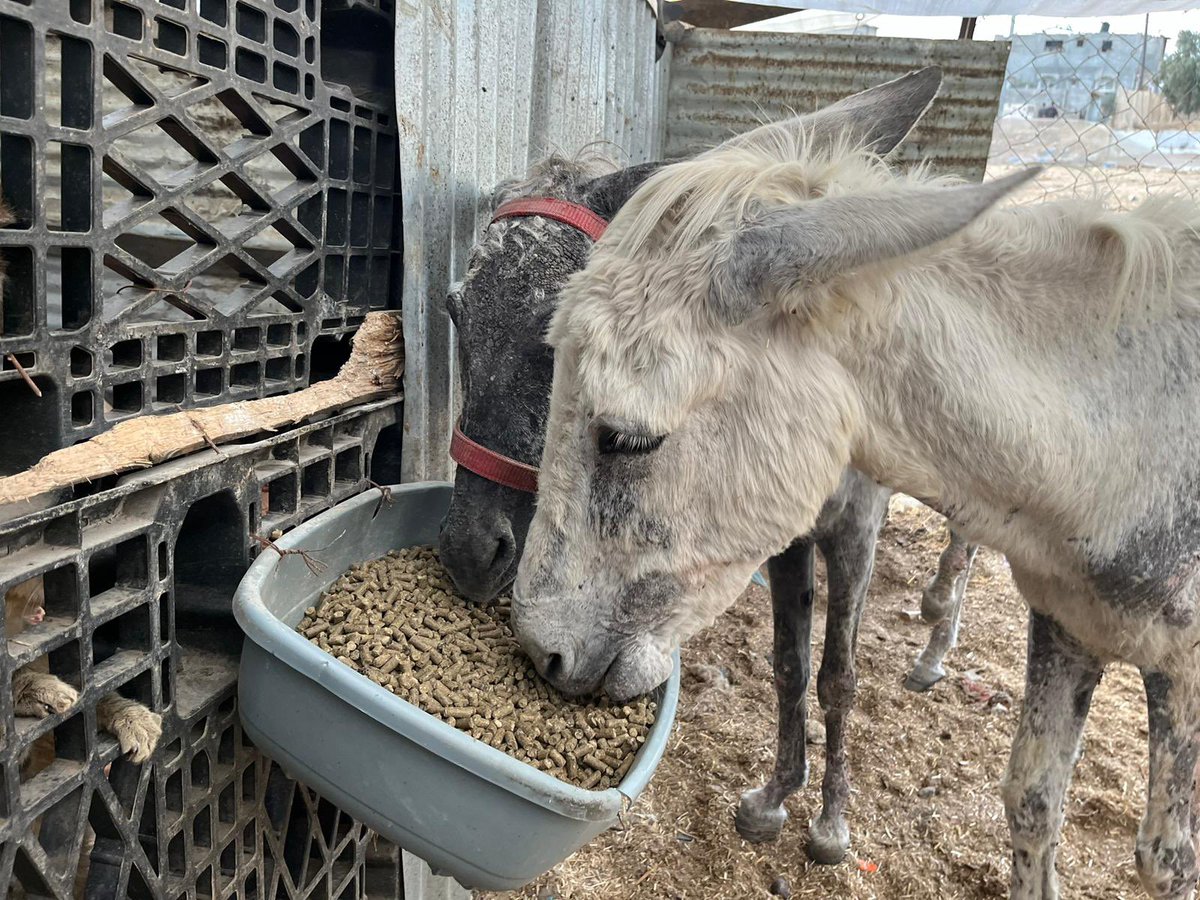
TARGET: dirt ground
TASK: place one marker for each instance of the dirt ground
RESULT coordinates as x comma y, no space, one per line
1117,188
1084,159
680,841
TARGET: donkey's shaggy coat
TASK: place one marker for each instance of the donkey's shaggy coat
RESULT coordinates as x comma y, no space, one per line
785,305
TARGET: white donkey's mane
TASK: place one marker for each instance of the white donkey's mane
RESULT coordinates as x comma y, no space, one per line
717,189
715,192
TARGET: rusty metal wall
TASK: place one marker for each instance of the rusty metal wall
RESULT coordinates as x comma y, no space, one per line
483,88
726,82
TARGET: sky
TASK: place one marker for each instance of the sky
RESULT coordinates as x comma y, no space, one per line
1167,24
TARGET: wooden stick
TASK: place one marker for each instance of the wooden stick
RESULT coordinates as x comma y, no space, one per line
314,565
375,369
385,496
21,369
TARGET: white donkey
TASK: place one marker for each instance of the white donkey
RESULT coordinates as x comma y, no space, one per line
759,317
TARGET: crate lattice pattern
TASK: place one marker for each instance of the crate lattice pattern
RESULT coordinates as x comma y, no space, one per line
198,210
138,581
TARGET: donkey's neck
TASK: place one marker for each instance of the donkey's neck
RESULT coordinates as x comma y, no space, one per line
999,399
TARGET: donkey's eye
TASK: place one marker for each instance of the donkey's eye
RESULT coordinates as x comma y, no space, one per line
612,441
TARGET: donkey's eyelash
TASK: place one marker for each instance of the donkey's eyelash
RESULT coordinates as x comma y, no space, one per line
612,441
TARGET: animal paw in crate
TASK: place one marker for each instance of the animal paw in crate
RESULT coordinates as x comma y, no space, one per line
37,693
436,731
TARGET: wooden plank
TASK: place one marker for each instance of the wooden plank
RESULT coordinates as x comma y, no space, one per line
374,370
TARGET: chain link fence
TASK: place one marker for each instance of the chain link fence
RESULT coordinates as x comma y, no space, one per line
1107,115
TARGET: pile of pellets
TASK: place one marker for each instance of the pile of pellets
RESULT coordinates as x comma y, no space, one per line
398,621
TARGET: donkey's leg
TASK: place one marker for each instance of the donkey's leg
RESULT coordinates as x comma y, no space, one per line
849,554
942,593
941,606
1059,681
1166,848
760,814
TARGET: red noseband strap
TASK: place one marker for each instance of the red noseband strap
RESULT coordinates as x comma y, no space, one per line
472,456
491,465
578,217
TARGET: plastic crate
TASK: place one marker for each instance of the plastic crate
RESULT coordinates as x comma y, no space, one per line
201,212
139,578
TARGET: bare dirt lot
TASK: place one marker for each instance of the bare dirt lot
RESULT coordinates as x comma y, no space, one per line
1089,159
680,841
1117,188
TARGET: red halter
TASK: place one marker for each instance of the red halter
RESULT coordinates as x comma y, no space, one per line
475,457
578,217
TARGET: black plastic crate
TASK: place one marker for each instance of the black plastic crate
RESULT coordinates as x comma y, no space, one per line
200,210
139,578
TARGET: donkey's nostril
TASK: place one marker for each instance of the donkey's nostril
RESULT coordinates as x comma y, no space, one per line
552,662
552,667
480,553
503,552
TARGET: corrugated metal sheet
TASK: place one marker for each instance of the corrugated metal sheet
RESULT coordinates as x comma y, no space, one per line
726,82
483,88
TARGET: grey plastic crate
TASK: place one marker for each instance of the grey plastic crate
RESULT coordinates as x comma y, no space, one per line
139,576
471,811
206,198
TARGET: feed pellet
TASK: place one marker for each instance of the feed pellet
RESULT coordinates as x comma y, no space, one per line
398,621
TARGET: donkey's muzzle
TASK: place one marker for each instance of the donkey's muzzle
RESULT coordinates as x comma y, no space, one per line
480,554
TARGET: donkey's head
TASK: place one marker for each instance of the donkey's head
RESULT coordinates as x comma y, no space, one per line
698,421
501,310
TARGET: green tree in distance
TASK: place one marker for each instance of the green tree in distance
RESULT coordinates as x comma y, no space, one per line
1179,76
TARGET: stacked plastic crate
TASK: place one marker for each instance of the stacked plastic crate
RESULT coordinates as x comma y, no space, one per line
205,194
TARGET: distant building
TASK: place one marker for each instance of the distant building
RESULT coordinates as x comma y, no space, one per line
1076,75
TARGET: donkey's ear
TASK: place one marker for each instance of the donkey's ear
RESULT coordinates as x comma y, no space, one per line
608,193
878,118
770,260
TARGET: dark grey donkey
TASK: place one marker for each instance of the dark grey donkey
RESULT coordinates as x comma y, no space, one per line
501,309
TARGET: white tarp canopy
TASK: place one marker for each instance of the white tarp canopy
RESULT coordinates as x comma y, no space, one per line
974,8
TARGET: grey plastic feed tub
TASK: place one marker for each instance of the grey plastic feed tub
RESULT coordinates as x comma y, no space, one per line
467,809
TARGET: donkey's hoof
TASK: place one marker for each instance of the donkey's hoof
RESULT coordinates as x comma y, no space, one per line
758,821
922,678
828,842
